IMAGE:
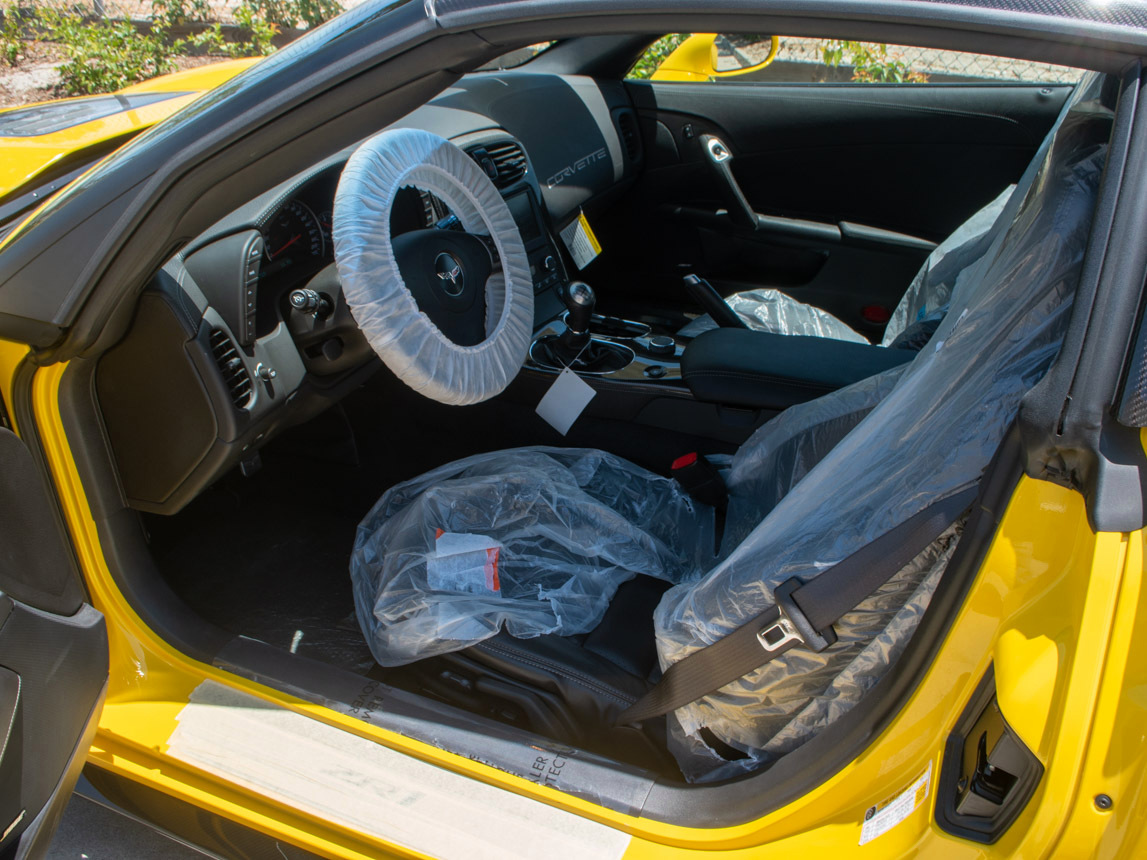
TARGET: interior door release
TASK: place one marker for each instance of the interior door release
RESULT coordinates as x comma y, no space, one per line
719,158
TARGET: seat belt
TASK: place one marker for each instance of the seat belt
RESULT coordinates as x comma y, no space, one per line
803,614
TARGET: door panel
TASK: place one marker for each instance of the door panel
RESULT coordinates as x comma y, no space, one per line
915,159
53,658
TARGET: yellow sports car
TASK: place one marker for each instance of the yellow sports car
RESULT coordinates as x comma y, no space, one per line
47,145
421,446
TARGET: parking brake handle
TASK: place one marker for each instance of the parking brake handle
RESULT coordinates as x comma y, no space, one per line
719,158
708,298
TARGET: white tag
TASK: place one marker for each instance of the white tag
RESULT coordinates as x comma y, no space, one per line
583,245
879,819
466,563
565,401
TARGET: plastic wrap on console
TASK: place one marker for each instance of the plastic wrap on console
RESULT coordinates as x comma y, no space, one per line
930,292
778,313
535,540
932,435
386,312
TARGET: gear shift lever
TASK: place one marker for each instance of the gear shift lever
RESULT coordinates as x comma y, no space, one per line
580,301
573,348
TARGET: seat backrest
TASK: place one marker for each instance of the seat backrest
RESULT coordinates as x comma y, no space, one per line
926,300
932,434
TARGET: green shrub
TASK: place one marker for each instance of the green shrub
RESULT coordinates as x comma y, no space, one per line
105,55
293,13
108,54
11,44
870,63
257,30
655,55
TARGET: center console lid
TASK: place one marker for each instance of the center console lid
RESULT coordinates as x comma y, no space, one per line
738,367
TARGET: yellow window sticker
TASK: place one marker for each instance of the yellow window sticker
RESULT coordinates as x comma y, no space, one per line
582,244
882,817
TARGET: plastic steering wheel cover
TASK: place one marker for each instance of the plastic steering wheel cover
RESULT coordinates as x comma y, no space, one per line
404,337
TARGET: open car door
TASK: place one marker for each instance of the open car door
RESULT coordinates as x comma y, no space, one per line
53,659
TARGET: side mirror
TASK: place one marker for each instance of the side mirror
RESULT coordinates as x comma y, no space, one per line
710,56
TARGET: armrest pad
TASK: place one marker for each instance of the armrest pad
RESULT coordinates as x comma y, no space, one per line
774,371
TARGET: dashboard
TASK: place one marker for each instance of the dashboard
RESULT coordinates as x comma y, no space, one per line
269,338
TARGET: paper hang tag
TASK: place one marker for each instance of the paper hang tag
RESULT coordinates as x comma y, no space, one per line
464,562
565,401
582,244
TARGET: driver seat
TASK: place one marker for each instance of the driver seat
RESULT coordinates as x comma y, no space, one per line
807,489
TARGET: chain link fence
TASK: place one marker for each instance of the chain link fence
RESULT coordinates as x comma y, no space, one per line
803,60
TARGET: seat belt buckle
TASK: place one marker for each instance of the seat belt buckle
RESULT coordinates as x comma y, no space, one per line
791,624
701,480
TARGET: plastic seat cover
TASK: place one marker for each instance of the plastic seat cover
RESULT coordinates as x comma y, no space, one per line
925,300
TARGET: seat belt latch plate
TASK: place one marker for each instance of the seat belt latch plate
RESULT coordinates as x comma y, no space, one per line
791,617
778,634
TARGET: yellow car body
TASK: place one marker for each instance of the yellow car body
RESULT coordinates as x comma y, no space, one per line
31,157
1079,709
1057,608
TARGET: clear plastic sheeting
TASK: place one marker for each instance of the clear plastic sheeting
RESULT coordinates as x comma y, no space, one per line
932,435
778,313
535,540
402,335
928,296
916,316
781,452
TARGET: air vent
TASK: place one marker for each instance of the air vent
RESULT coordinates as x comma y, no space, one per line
630,136
231,366
508,159
433,209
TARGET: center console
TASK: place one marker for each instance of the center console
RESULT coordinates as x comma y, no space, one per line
594,345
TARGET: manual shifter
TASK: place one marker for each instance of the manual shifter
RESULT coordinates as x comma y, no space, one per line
574,348
580,301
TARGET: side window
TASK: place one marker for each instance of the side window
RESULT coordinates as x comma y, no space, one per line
717,57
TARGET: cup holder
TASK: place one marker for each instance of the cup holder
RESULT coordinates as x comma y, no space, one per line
615,327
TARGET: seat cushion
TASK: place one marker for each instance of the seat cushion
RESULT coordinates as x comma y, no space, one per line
531,540
570,688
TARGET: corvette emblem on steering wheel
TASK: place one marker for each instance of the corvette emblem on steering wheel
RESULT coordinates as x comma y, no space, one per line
449,272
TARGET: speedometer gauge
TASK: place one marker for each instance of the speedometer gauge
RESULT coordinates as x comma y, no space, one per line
293,233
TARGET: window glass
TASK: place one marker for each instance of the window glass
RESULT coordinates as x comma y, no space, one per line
789,59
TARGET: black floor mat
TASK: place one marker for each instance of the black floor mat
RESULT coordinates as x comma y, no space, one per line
267,556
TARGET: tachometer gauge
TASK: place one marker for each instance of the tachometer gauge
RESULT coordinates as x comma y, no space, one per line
326,222
293,233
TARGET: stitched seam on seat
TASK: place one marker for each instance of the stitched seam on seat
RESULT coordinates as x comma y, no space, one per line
575,677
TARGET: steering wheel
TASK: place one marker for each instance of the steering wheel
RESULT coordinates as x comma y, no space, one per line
450,311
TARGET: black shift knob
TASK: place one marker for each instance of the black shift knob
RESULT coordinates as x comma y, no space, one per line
580,300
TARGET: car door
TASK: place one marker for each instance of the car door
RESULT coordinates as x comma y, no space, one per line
53,658
856,180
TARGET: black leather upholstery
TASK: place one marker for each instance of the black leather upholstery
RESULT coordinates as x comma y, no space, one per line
760,370
568,687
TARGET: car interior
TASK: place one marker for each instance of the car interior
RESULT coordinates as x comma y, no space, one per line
251,428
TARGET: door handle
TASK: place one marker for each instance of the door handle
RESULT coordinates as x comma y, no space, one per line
719,159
